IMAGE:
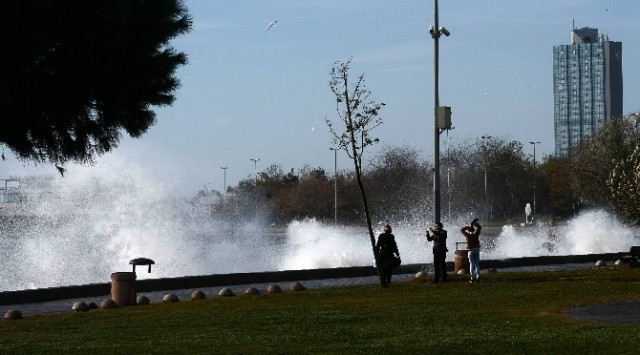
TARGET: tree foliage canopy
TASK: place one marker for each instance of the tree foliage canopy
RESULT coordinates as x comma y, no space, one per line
624,185
594,159
77,73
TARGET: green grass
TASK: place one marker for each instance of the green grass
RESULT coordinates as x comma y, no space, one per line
508,313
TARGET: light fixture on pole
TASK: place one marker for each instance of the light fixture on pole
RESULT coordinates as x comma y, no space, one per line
436,31
335,185
534,177
486,190
255,192
224,186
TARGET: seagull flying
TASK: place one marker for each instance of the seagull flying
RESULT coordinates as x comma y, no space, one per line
272,24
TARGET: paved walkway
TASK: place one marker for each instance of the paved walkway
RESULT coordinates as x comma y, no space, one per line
63,306
620,312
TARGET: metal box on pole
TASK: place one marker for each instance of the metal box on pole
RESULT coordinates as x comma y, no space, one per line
444,117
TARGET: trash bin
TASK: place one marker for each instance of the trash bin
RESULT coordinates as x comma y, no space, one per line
123,288
461,258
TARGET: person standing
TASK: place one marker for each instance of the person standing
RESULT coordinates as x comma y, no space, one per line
472,234
439,238
388,255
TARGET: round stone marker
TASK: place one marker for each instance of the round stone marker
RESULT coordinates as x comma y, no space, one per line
142,300
170,297
251,291
296,286
80,307
198,295
108,303
13,314
274,289
225,292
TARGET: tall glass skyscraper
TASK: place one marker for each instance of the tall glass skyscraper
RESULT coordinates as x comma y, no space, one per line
587,86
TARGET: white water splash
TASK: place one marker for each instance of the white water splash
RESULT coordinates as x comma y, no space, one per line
92,223
592,232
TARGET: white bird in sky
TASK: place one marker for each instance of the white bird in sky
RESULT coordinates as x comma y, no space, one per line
272,24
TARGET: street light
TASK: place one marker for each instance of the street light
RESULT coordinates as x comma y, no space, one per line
449,192
436,32
224,186
335,185
255,191
534,178
486,190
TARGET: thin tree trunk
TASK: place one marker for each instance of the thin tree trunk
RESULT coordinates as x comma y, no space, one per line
357,163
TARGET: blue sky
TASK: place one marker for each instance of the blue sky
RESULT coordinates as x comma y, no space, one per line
249,92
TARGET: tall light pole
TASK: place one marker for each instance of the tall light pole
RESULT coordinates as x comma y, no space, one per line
534,177
255,191
449,191
436,32
224,186
335,185
486,190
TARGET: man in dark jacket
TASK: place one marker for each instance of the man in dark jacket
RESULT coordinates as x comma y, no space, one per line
438,236
388,255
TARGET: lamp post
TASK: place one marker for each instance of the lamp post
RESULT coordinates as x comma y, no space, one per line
255,191
436,31
449,192
486,190
224,186
335,185
534,178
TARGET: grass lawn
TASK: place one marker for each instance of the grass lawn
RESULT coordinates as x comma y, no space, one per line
507,313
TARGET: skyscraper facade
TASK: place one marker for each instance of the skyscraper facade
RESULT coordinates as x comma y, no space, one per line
587,86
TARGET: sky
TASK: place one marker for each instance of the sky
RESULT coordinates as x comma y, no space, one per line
249,92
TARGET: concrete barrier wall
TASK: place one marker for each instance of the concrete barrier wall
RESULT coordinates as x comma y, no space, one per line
193,282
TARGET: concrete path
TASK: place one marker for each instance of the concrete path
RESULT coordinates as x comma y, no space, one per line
620,312
63,306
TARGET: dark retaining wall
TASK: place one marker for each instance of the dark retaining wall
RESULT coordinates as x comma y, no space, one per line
193,282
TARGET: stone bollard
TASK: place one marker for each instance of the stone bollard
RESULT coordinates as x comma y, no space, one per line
13,314
226,292
123,288
251,291
198,295
108,304
296,286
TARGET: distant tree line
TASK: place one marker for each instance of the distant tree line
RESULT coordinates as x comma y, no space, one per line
600,172
399,188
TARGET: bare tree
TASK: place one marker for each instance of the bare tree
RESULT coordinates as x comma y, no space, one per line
359,114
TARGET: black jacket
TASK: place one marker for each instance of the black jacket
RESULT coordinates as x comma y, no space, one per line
439,239
386,245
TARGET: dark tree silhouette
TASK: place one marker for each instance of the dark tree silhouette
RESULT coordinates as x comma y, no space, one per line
74,74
